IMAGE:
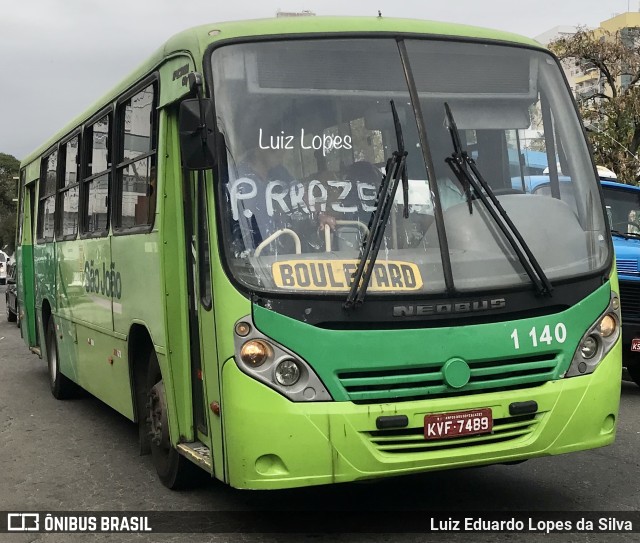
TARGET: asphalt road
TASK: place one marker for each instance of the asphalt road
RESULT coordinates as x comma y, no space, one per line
80,455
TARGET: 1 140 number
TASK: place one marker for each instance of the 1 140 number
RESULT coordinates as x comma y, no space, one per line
545,336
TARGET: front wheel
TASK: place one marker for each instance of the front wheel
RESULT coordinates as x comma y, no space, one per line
173,469
62,387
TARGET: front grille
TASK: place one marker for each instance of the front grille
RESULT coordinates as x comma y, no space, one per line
630,300
628,267
415,383
411,440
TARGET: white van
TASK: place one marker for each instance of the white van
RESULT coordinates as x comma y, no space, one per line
4,262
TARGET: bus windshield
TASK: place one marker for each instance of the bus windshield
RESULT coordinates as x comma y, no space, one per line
308,129
623,209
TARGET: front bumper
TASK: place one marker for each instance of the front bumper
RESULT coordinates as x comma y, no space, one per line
274,443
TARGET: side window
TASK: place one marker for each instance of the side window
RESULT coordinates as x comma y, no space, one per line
136,170
95,219
47,206
70,188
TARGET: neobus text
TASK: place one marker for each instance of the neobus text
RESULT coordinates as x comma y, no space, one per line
458,307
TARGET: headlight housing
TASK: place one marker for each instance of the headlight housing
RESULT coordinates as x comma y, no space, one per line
598,340
276,366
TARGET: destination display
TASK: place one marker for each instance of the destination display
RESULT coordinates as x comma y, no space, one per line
336,275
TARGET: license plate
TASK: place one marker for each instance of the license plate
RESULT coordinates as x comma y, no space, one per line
635,345
460,423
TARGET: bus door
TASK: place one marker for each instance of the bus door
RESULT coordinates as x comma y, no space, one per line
205,387
26,278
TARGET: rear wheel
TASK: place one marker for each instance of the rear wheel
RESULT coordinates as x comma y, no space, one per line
62,387
174,470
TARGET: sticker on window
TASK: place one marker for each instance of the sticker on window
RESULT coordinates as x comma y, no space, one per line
336,275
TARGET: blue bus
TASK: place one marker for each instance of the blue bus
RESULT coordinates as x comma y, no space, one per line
622,204
623,209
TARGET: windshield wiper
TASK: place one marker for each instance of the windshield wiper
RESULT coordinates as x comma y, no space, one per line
396,170
625,235
467,173
621,234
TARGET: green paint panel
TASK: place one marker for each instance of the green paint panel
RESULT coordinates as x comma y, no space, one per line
82,284
173,75
24,260
139,294
67,338
285,444
101,371
383,357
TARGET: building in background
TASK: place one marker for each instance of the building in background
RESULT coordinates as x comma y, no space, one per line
571,71
584,79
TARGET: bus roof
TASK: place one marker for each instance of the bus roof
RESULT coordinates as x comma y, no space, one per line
197,39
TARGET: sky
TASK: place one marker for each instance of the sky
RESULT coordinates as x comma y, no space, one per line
57,57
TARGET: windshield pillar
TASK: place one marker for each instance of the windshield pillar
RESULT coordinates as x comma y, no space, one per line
431,173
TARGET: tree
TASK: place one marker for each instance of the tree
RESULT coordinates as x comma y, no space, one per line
9,168
611,110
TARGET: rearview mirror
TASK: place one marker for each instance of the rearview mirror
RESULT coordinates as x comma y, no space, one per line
196,123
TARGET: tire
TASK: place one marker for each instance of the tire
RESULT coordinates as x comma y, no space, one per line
11,316
174,470
634,371
62,387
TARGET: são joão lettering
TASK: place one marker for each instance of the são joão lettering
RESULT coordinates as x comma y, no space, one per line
104,281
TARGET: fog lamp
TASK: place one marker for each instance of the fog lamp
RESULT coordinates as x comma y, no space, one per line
287,372
607,325
255,352
589,347
243,329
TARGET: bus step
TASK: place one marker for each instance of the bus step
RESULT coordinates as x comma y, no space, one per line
198,453
36,350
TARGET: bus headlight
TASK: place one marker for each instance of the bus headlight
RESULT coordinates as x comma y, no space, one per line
589,347
255,353
276,366
287,372
607,325
599,339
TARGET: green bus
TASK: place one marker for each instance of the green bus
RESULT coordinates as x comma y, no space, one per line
292,251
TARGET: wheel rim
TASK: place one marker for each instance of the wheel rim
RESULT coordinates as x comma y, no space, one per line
157,417
53,361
